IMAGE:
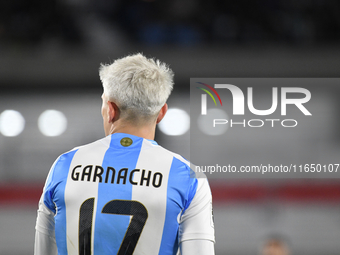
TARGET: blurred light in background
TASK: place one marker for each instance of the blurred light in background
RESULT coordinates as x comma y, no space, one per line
206,122
12,123
176,122
52,123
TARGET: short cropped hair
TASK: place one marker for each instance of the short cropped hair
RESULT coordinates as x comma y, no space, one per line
138,85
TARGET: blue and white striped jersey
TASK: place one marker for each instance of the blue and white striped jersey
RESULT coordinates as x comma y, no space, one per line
124,195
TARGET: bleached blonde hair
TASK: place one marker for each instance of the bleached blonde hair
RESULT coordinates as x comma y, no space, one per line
140,86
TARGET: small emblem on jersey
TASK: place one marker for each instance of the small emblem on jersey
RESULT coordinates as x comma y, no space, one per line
126,141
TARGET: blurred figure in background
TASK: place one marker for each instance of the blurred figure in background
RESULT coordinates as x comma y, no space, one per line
275,245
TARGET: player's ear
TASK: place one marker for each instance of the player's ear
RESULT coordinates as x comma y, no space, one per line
162,113
113,113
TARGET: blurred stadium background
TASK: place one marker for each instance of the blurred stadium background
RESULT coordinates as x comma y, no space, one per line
50,101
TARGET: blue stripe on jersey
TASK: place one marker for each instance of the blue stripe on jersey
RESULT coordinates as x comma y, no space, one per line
181,190
110,229
54,196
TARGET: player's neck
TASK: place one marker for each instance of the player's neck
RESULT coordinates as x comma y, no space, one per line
144,131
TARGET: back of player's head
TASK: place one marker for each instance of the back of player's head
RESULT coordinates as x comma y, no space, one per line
140,86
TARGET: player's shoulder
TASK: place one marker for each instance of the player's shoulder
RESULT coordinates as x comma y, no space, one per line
63,161
172,154
180,160
103,142
189,165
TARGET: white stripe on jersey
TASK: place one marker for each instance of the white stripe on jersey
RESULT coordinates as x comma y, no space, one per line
157,205
87,155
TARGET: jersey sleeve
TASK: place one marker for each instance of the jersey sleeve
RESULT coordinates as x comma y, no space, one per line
197,247
196,222
48,189
45,242
56,176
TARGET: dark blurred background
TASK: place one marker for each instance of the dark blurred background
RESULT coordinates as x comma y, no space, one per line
50,52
